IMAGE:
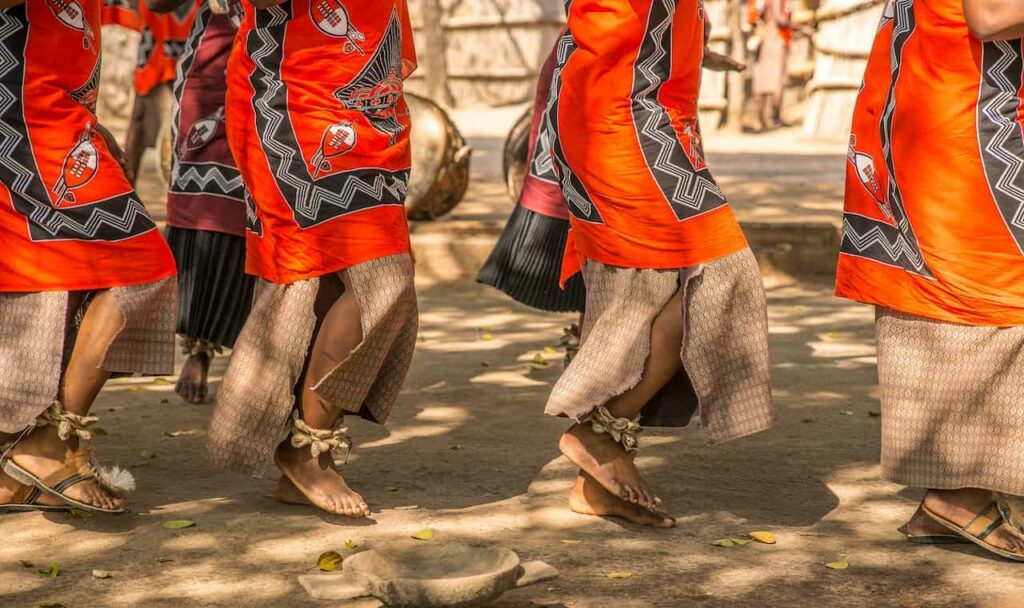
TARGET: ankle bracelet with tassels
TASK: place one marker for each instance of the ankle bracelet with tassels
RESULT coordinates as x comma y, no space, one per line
622,430
192,346
319,441
67,424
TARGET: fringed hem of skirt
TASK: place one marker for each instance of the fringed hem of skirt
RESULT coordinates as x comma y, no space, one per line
726,371
258,391
38,329
526,263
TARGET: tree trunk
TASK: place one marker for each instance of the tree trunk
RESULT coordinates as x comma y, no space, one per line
432,54
736,89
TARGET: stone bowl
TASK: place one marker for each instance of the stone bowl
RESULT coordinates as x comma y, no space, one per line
435,575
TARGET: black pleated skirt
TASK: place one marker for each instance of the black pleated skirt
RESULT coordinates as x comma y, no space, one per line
527,262
214,293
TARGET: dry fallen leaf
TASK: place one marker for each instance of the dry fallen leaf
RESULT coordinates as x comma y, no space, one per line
486,336
570,542
391,489
550,351
161,381
26,564
619,575
846,413
350,545
185,433
53,571
178,524
329,562
763,537
739,542
539,359
840,565
134,389
455,446
146,454
723,542
164,560
424,534
100,574
165,401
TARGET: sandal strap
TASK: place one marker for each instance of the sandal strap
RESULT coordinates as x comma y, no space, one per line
77,467
25,495
1012,509
319,441
623,430
985,523
67,424
69,481
195,346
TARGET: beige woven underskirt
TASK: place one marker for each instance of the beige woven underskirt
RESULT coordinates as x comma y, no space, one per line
727,375
258,392
952,403
36,326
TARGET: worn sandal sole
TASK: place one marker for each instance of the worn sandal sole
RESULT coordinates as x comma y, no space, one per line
1016,557
26,508
22,475
937,539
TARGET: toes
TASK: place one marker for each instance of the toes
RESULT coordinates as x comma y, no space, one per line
646,501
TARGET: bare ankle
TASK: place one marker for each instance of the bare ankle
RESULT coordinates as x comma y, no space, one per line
44,441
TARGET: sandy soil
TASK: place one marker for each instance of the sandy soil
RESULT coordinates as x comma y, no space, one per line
470,455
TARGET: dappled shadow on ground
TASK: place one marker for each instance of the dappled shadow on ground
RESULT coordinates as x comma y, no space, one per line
470,454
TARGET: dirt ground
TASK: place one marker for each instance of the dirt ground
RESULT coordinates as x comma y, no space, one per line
470,454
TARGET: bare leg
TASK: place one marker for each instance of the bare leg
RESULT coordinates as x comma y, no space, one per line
597,453
191,386
761,103
42,451
134,145
339,334
777,109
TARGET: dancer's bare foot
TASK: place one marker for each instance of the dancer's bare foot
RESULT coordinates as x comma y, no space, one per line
287,492
590,498
605,460
319,481
10,487
962,506
191,386
43,453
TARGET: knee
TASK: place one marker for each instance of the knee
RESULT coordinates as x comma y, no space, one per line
392,297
